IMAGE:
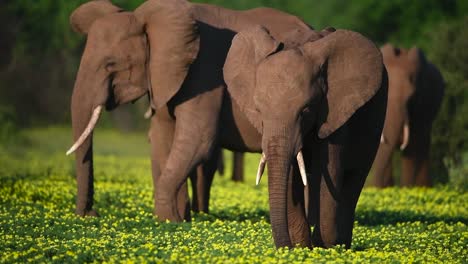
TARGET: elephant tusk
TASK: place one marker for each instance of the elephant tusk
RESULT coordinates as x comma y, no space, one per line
383,140
302,170
88,129
406,135
261,168
148,113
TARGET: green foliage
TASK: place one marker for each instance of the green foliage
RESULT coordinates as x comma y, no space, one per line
8,128
37,222
448,51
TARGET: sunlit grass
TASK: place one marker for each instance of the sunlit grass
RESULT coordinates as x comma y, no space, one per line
37,223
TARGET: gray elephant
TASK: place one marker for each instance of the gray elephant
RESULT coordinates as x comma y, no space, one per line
319,106
416,89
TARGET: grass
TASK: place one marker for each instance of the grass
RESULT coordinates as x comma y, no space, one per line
37,223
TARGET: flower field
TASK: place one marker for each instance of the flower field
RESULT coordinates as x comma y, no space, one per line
37,223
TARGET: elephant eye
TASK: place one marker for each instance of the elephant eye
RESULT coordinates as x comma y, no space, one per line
306,110
110,66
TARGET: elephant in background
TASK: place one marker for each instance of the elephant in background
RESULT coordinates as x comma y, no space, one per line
319,106
415,93
174,51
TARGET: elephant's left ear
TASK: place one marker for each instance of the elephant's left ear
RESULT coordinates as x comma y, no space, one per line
354,73
174,43
84,16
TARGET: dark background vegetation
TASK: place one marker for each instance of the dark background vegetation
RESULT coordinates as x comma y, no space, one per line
39,56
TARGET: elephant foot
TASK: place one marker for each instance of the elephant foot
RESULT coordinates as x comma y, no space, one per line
167,210
84,213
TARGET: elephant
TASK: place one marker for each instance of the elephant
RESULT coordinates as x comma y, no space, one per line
177,52
319,106
416,89
174,52
237,166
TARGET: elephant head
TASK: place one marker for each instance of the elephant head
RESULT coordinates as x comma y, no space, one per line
292,93
127,55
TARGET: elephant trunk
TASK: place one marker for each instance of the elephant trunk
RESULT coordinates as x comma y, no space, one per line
81,114
89,95
395,132
281,147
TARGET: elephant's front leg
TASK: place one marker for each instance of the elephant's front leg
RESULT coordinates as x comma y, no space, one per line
194,139
326,189
298,226
161,135
415,159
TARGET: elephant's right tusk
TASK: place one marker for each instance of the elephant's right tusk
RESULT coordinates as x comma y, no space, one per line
91,124
148,113
261,168
383,140
406,135
302,170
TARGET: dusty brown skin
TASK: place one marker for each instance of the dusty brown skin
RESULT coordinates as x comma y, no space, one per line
415,93
182,71
176,51
325,96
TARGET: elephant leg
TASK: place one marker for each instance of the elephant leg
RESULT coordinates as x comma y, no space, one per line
298,226
353,183
238,167
388,174
415,161
202,178
330,184
161,137
194,140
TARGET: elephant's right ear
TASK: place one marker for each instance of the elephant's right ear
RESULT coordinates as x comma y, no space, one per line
174,43
84,16
248,49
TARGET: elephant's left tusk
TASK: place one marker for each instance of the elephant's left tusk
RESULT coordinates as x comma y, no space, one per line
302,170
91,124
406,135
261,168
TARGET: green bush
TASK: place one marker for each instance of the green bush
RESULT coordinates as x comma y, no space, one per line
8,128
449,52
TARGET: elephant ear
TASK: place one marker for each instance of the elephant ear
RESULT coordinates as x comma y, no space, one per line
248,49
417,58
84,16
353,69
174,43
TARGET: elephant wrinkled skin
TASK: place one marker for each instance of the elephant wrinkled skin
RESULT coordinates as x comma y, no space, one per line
321,100
415,93
175,51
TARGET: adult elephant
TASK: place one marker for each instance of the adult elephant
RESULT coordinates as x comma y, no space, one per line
175,51
416,88
321,102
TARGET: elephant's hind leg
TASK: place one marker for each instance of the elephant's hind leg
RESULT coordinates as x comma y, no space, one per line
201,179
